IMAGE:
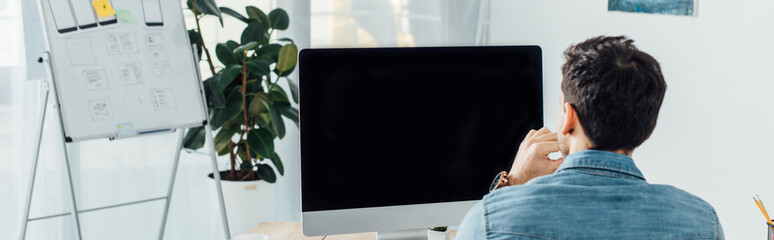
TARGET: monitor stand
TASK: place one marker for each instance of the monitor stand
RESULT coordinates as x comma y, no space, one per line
414,234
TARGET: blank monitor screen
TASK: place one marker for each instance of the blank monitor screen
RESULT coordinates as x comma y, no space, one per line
399,126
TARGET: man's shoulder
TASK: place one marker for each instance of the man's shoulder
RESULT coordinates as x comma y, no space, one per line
536,209
684,199
557,193
678,193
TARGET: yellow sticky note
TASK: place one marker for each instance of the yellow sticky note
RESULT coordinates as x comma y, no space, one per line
103,8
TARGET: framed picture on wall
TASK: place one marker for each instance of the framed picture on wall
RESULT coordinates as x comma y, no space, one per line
669,7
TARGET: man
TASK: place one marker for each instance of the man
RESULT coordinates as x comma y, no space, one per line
611,95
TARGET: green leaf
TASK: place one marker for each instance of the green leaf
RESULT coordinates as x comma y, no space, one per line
279,19
245,47
261,141
286,40
266,173
215,98
253,85
232,110
242,152
278,163
224,137
264,118
215,117
246,166
196,38
258,67
227,75
271,50
266,59
278,95
277,124
256,14
288,111
194,138
237,56
254,32
285,73
293,89
235,14
257,106
232,45
207,7
224,55
288,56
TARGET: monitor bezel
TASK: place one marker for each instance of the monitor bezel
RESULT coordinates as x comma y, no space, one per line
396,217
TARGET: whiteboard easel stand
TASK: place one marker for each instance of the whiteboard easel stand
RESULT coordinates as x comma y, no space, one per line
74,206
27,205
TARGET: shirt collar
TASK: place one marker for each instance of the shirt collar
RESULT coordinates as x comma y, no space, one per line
603,160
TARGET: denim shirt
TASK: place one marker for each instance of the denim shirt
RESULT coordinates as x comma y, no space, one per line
592,195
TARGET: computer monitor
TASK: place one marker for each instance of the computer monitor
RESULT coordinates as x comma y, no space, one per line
409,138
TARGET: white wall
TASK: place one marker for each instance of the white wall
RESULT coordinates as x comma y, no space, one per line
289,186
713,137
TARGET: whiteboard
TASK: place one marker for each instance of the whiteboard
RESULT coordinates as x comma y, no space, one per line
122,75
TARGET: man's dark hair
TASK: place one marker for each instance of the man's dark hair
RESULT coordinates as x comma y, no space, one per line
616,90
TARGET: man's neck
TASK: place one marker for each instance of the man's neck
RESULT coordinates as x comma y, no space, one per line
580,147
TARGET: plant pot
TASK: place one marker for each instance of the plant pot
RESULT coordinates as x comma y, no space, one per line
248,203
436,235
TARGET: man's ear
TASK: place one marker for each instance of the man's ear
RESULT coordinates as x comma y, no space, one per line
570,119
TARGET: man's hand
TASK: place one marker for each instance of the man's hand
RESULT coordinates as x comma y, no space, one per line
532,159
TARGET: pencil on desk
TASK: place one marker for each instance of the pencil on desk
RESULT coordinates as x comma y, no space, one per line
758,202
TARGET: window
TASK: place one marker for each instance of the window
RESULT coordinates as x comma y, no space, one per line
394,23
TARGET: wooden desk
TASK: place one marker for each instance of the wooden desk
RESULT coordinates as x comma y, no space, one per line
293,231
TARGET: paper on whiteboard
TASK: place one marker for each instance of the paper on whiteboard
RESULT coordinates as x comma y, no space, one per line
81,51
103,8
152,11
63,16
95,79
130,73
100,110
163,99
158,55
121,43
84,14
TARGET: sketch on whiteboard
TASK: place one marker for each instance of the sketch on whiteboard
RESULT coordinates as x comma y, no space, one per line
121,43
81,51
671,7
100,109
95,79
130,73
158,55
163,99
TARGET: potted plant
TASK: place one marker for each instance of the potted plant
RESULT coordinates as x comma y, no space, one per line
438,233
247,107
